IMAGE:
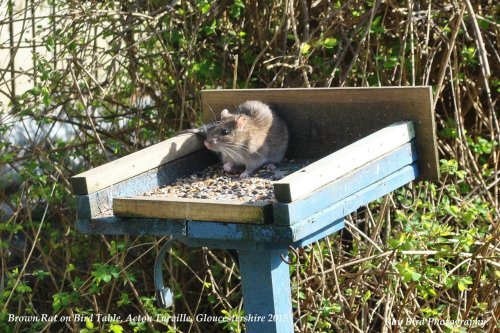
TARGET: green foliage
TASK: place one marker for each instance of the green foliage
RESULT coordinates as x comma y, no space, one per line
104,273
63,300
231,322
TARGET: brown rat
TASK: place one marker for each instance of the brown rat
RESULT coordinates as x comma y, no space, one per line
253,136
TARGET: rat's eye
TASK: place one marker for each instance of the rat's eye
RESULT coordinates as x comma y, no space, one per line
224,131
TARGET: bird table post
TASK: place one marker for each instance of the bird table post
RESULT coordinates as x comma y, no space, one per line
363,144
265,279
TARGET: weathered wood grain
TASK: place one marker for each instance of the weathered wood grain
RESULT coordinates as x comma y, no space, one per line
327,230
99,202
265,280
113,225
232,233
275,236
193,209
340,163
324,120
136,163
238,232
354,181
348,205
229,235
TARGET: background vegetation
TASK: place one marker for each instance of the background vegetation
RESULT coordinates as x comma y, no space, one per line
112,77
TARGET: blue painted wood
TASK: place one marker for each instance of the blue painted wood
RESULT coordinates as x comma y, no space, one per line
84,208
229,244
131,226
102,201
239,232
320,234
348,205
309,225
252,245
265,280
291,213
225,235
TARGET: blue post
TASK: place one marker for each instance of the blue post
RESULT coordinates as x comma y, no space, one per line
266,291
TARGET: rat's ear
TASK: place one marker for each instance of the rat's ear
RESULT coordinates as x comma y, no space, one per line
224,113
241,121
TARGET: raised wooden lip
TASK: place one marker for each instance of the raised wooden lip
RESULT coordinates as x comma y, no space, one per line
259,212
340,163
135,163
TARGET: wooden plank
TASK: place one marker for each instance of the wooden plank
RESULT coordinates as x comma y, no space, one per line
113,225
228,244
229,232
228,235
250,245
136,163
340,163
324,120
100,202
321,233
344,207
193,209
356,180
267,297
238,232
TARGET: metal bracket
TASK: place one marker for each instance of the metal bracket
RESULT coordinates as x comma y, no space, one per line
164,295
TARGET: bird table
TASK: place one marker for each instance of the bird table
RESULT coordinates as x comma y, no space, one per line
364,143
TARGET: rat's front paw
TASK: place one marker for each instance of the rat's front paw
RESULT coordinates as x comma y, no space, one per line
228,166
244,175
270,167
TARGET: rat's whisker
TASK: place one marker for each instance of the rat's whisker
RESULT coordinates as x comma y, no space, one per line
244,155
244,150
235,147
236,152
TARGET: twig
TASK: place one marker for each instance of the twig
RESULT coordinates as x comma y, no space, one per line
446,59
479,41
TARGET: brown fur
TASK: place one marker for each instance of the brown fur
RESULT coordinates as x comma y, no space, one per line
251,137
